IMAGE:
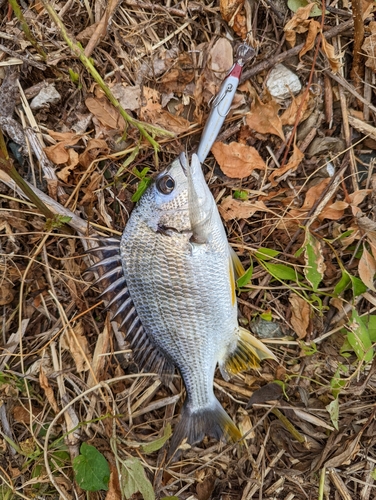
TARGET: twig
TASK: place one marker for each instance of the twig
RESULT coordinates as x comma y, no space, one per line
270,63
101,28
23,58
357,70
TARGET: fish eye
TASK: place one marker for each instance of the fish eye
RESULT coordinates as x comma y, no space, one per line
165,184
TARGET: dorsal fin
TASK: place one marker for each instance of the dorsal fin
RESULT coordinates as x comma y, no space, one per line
146,354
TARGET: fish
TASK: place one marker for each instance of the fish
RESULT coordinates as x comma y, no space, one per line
171,281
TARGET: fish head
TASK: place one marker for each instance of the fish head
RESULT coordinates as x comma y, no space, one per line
179,200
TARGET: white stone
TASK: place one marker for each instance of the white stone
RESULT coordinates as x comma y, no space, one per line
282,83
48,95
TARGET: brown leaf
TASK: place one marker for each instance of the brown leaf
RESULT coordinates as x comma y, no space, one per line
369,47
239,209
299,23
333,59
6,294
289,115
313,29
221,57
94,148
300,315
264,118
367,269
114,492
72,162
89,190
105,113
181,73
293,163
153,113
22,414
237,160
59,153
43,381
75,342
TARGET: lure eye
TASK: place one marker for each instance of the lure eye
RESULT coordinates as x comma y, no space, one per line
165,184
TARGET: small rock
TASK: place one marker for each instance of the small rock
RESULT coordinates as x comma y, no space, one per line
282,83
48,95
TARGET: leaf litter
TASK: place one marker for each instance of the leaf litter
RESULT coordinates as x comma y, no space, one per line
74,410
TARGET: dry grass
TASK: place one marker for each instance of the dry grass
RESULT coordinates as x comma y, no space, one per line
66,372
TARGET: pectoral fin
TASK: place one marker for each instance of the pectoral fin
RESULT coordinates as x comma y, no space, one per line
248,353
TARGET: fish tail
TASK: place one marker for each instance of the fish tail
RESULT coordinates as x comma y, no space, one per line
208,421
247,354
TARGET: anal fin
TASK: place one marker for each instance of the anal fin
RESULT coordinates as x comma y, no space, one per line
247,354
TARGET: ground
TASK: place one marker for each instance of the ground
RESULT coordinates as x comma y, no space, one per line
95,98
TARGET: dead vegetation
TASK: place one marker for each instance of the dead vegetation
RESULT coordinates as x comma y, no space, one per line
96,97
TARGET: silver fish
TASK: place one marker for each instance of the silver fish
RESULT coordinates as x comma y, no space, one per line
173,285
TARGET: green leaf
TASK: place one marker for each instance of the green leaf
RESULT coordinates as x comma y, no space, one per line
75,77
342,284
358,286
294,5
370,323
359,338
158,443
267,316
57,222
333,410
266,253
283,272
246,277
314,268
133,479
91,469
373,475
129,160
170,498
142,187
337,383
240,195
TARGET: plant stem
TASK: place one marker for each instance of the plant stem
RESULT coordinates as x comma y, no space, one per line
25,28
87,62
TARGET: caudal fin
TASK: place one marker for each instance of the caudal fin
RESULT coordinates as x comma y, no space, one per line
209,421
248,353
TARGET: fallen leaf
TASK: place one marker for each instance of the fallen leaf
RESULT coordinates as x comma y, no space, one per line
76,343
367,269
6,294
105,113
179,75
43,381
128,96
299,23
264,118
94,148
334,60
232,11
293,163
238,209
313,29
237,160
59,153
288,117
152,112
369,47
72,162
95,181
300,315
22,414
221,57
113,492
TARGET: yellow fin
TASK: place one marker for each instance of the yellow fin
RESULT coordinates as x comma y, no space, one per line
248,353
232,283
238,266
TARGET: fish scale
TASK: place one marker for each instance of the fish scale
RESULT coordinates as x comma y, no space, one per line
172,287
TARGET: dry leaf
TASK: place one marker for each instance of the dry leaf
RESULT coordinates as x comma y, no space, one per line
128,96
289,115
239,209
43,381
105,113
300,315
179,75
114,492
299,23
22,414
76,343
367,269
6,294
72,162
237,160
153,113
293,163
95,181
59,153
221,57
313,29
94,148
264,118
369,47
232,11
334,60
